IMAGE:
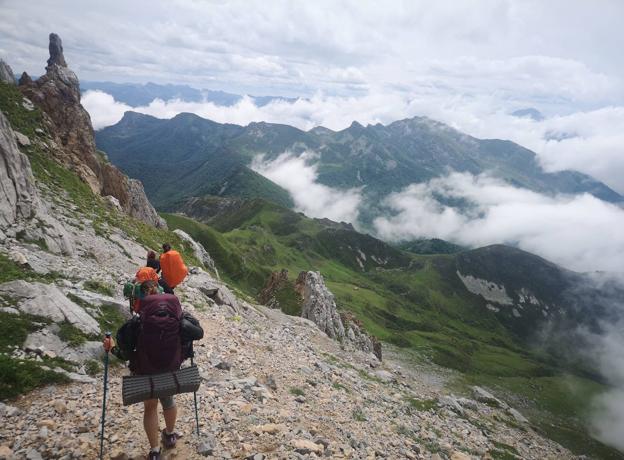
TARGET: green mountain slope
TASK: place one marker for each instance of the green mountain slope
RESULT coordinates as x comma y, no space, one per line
381,158
420,302
186,156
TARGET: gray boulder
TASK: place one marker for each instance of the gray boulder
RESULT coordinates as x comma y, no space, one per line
48,301
48,343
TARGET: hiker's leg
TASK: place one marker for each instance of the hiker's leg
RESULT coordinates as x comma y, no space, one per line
150,422
165,286
170,412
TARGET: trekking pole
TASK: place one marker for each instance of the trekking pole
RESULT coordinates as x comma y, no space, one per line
108,335
195,397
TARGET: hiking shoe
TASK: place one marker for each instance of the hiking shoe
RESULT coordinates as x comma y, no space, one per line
169,440
153,455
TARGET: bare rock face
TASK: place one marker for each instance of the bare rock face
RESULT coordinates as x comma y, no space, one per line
19,200
139,206
57,94
319,306
18,195
199,251
6,73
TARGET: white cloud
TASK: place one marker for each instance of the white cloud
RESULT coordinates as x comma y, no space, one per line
578,232
298,175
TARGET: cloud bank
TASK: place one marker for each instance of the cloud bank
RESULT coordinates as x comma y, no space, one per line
299,176
579,232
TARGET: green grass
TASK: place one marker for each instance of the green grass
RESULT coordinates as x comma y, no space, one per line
21,119
99,287
15,328
340,386
19,376
296,391
358,415
92,367
422,405
71,334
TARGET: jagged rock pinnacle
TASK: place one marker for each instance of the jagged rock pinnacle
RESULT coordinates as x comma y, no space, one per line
25,79
56,51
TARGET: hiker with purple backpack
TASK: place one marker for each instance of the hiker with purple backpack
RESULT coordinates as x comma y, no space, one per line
156,346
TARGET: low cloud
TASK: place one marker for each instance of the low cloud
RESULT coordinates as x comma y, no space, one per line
607,422
579,232
298,175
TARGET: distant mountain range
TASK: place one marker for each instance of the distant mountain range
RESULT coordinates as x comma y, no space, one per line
381,159
139,94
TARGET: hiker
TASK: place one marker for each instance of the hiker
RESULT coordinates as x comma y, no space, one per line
152,262
158,350
173,269
142,275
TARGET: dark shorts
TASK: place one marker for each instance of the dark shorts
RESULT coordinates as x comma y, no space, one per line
167,403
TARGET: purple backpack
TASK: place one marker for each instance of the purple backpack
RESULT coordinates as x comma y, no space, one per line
159,345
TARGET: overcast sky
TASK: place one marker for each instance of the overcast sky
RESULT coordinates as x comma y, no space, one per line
564,50
468,63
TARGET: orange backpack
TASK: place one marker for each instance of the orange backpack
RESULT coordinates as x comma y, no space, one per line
173,269
145,274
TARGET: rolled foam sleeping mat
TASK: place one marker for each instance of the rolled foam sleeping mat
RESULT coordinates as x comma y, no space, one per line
137,388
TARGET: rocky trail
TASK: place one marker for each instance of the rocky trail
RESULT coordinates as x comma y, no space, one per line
277,387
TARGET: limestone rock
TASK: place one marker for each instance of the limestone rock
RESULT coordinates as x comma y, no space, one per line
139,206
199,251
6,73
21,139
48,301
304,446
480,394
517,415
319,305
18,195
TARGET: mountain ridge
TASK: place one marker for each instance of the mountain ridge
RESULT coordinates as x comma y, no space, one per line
383,158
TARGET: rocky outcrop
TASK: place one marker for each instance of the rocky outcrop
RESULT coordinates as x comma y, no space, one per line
57,94
319,306
22,213
357,335
48,301
6,73
18,195
276,281
199,251
56,51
